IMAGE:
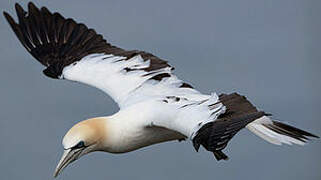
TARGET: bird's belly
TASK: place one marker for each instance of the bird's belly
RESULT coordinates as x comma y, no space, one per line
146,137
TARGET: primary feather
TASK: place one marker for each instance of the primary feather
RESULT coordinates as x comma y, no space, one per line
155,105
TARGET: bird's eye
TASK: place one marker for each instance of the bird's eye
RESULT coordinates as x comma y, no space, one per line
81,144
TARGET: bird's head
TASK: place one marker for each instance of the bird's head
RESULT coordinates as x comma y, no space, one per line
85,137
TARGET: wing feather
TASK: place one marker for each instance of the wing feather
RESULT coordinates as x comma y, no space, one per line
72,51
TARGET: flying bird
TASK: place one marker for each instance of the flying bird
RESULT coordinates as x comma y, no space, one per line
155,105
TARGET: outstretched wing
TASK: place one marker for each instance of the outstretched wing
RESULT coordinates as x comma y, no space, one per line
74,52
71,51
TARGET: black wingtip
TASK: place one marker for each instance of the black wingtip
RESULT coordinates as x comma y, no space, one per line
31,4
267,114
6,15
219,155
18,7
196,145
10,20
46,10
32,7
20,11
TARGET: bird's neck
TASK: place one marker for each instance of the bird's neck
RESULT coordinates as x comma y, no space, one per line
120,134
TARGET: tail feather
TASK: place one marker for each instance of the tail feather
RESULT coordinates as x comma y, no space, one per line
260,131
278,133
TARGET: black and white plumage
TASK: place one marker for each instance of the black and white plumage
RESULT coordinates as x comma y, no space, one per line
155,106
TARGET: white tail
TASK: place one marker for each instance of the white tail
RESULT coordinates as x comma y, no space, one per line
278,133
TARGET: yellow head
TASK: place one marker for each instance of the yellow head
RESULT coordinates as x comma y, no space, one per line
85,137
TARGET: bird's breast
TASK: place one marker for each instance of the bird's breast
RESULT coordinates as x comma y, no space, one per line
141,137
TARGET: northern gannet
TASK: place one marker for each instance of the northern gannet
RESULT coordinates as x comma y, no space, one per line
155,106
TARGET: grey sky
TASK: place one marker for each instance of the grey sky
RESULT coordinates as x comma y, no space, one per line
266,50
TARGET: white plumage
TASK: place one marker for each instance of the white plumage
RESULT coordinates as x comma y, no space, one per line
106,72
155,106
258,128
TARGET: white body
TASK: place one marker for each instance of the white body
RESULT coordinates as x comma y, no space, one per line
155,106
144,117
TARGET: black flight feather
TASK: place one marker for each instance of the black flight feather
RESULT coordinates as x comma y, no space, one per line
57,42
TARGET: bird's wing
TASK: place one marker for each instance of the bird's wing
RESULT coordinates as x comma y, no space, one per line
71,51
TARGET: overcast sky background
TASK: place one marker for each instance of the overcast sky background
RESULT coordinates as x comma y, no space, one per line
266,50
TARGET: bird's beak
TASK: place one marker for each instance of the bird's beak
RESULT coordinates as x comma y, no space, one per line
69,156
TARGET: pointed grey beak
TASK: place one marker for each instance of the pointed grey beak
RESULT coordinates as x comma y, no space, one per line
69,156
